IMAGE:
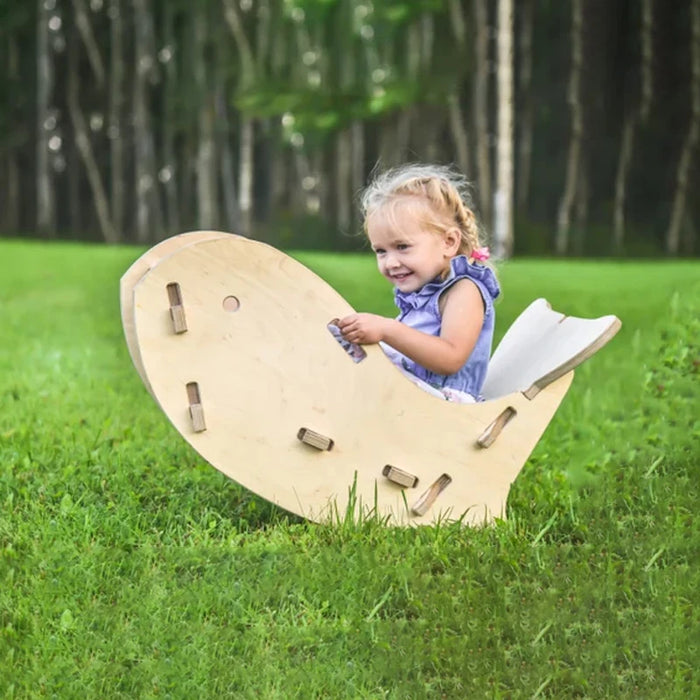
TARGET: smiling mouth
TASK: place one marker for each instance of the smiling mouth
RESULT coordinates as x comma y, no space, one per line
401,277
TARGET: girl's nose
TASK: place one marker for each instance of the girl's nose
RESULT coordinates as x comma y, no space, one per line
391,261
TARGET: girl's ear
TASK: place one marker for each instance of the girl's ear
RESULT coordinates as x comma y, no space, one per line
453,239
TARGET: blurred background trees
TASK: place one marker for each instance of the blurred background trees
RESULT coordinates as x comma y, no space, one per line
131,120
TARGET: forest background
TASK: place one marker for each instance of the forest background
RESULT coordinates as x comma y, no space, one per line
131,120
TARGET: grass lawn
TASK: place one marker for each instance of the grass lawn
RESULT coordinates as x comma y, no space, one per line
129,568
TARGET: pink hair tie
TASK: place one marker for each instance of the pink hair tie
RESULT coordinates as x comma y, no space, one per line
481,253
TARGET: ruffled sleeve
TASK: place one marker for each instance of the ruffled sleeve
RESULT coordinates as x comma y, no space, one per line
460,268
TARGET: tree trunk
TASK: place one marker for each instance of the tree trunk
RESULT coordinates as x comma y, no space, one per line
581,207
116,108
46,206
75,181
278,158
263,34
12,195
228,181
10,207
358,156
207,191
246,154
458,21
244,50
403,124
427,29
168,172
245,173
148,213
632,120
525,119
574,155
278,169
343,179
388,142
691,139
82,22
503,200
481,110
457,119
82,141
343,164
413,51
623,166
460,135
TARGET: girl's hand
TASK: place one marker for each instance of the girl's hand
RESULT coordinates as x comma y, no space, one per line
363,328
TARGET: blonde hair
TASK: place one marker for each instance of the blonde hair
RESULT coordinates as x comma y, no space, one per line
441,187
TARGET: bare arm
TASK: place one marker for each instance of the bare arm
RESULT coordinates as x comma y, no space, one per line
462,318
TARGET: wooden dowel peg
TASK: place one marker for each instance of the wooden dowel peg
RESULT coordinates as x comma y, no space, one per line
320,442
422,505
399,476
196,409
493,430
177,310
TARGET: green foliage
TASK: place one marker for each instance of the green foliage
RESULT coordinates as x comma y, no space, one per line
131,569
321,109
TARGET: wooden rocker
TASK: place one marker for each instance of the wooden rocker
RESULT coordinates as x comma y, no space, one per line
231,337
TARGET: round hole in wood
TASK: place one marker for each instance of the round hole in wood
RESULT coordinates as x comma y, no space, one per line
231,303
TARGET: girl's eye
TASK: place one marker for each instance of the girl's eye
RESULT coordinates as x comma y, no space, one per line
379,251
402,246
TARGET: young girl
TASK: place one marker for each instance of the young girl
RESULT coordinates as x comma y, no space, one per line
426,239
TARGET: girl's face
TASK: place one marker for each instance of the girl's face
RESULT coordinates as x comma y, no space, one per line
408,254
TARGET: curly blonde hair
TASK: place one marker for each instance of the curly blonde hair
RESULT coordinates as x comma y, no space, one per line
441,187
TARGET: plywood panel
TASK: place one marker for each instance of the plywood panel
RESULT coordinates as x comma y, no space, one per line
271,367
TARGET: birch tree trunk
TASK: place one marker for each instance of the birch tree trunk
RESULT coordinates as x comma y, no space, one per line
82,22
343,137
481,110
460,135
148,213
503,199
245,173
690,142
246,133
168,173
207,199
267,155
46,206
343,178
116,108
82,141
278,160
525,118
633,119
574,154
457,119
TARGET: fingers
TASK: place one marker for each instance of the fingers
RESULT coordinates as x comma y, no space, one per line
348,326
359,328
352,334
350,329
346,321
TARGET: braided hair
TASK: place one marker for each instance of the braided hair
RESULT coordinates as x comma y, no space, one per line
444,189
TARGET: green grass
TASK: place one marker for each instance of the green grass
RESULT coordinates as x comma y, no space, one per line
131,569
